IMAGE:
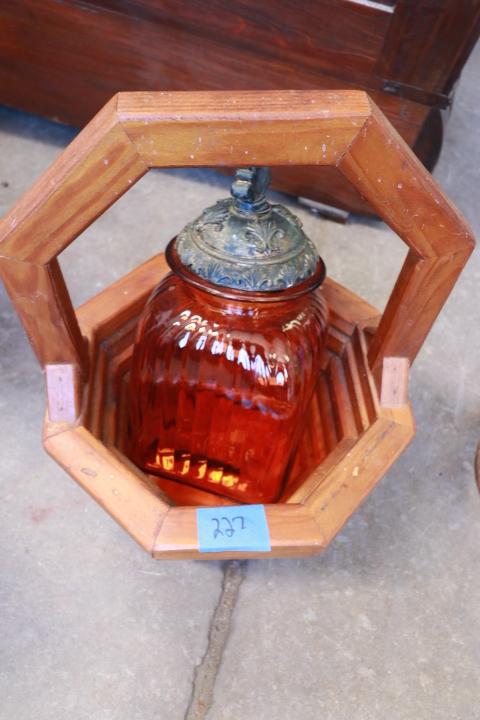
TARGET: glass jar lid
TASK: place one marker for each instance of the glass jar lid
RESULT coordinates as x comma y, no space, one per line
245,242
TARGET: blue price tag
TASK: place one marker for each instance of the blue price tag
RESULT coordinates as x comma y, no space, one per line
233,527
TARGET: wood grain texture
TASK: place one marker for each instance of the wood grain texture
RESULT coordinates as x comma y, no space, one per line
41,299
348,304
90,174
347,485
234,129
406,196
140,130
183,45
97,167
406,54
448,29
120,490
293,533
356,438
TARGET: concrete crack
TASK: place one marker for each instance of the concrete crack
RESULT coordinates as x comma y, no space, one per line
206,672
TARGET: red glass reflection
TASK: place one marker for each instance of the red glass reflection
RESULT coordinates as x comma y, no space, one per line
221,380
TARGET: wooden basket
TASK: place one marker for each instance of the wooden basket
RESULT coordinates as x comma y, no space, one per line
361,419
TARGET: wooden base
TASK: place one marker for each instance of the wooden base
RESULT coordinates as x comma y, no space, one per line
350,441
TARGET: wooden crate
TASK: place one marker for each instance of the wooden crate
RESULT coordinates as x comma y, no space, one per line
361,419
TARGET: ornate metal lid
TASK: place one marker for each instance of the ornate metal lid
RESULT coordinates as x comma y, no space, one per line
245,242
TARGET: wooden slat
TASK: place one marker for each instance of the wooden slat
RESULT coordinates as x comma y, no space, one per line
234,129
93,171
116,487
356,389
147,480
349,306
330,431
293,532
318,474
352,479
97,393
116,403
40,298
341,400
369,390
97,167
388,174
336,340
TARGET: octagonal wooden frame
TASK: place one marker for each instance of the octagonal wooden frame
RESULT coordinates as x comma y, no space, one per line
138,131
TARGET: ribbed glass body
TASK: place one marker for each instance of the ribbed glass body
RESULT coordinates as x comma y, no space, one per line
221,381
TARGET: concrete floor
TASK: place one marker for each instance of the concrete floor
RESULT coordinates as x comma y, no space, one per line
384,624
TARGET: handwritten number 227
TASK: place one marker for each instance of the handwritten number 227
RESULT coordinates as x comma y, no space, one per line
225,526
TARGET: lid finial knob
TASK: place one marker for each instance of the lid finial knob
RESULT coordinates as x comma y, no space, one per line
249,188
246,243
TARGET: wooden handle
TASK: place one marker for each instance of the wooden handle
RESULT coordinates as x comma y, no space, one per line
137,131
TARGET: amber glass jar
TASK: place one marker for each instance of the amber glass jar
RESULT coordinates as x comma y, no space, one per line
229,348
223,380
